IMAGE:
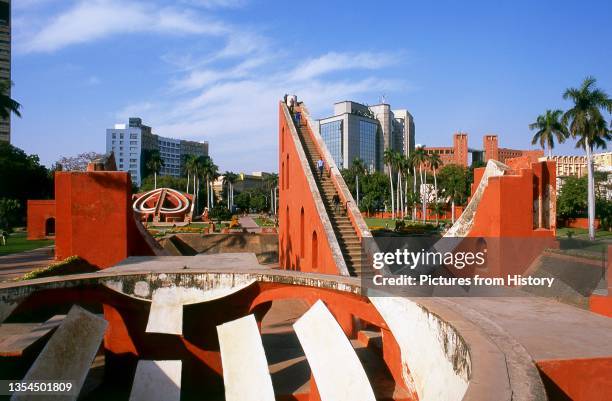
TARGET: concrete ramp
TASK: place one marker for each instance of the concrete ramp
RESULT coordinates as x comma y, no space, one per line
435,354
336,368
157,381
69,353
245,368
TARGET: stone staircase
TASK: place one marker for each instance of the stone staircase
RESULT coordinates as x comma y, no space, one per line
345,233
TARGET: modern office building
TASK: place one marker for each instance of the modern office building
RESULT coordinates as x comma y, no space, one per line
132,143
5,60
365,132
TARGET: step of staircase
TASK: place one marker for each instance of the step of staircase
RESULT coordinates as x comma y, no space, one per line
348,240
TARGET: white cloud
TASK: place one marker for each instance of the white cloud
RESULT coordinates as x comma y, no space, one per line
199,78
335,61
224,90
236,108
92,20
216,3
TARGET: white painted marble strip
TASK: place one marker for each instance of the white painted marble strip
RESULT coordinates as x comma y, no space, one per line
245,368
157,381
335,366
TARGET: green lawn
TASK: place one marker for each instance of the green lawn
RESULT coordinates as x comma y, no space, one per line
264,222
17,242
164,228
583,233
374,222
579,244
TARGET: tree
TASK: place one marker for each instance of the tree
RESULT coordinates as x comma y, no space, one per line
258,201
7,104
191,166
155,164
405,166
78,162
453,181
229,179
586,122
420,158
22,177
435,162
438,208
398,163
549,128
412,164
374,191
209,172
389,159
271,181
163,181
8,213
359,169
571,201
243,201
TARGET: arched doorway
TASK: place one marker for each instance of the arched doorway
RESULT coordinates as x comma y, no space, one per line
315,251
50,227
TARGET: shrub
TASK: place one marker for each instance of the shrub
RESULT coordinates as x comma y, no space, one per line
70,265
220,212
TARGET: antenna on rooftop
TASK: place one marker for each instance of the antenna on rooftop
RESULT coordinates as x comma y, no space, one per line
383,99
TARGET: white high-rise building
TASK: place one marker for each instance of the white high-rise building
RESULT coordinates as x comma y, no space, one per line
132,143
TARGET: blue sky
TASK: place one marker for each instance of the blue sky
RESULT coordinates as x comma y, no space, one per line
215,69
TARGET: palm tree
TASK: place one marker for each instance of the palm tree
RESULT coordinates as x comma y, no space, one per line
411,162
587,123
7,104
435,162
389,159
229,179
155,164
399,160
420,158
272,184
209,172
550,127
405,166
359,169
203,165
215,174
191,166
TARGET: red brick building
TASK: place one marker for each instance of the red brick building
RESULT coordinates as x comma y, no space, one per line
459,152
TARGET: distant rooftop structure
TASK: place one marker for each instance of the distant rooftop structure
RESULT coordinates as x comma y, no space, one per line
459,153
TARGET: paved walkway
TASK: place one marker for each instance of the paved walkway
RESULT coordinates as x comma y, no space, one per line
17,264
249,223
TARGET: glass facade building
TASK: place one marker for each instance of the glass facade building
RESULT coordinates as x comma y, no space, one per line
358,131
367,143
332,136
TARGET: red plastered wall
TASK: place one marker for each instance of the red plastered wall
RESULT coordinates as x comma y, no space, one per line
39,211
93,215
295,195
